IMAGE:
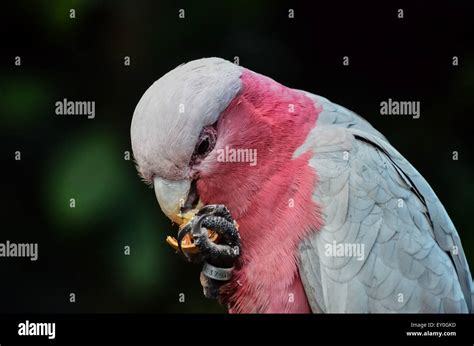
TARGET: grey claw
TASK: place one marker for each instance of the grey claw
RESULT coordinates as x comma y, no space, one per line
218,219
181,234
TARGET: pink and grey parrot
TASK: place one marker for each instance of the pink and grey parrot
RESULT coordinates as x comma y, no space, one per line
331,217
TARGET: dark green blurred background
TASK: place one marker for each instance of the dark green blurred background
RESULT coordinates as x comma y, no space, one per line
81,250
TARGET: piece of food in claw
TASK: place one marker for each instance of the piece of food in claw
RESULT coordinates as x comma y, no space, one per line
187,244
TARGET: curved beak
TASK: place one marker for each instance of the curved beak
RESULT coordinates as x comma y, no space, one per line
174,196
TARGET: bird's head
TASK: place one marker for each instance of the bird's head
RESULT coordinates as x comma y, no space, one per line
211,130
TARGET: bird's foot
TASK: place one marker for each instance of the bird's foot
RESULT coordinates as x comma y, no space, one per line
218,219
218,258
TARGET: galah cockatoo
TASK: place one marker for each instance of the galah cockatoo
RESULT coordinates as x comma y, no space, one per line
331,217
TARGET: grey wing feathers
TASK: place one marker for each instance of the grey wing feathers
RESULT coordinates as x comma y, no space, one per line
410,258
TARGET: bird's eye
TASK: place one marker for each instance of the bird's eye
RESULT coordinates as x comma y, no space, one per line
206,142
203,147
